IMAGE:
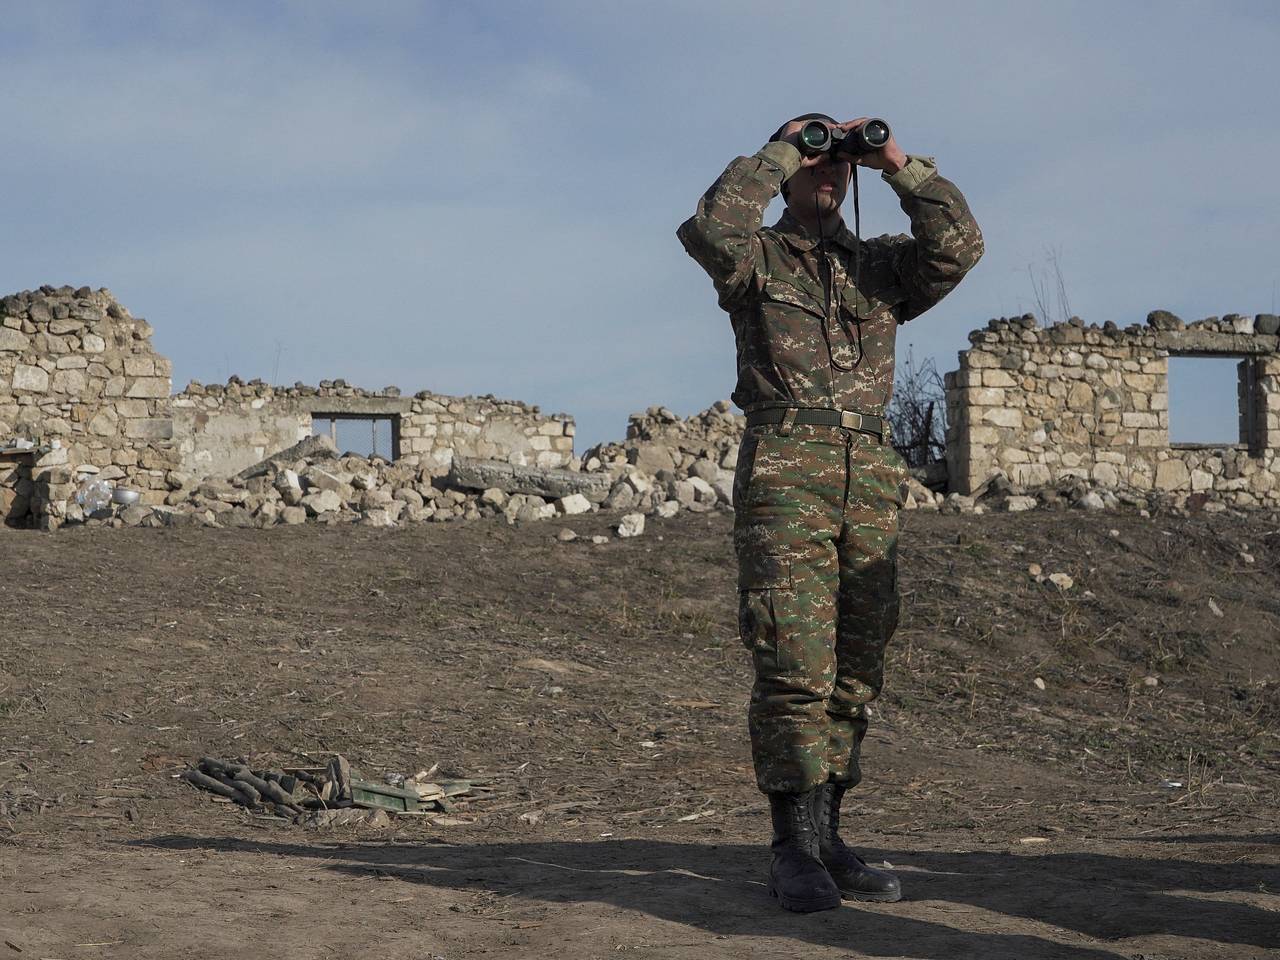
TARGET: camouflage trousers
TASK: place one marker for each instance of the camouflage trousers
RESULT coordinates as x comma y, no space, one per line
816,537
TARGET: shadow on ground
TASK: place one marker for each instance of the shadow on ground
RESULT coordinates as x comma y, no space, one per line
718,889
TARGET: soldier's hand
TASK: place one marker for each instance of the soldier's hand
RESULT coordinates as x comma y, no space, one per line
888,158
791,135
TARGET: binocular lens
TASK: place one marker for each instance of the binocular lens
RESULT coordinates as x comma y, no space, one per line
815,135
875,133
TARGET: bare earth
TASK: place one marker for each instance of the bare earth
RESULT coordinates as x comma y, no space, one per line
603,688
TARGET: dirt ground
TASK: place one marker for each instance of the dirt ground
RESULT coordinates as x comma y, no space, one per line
1123,806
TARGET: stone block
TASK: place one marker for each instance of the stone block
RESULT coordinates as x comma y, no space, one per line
997,378
293,516
322,502
104,423
139,367
1135,420
1105,474
152,387
289,486
13,340
27,377
978,360
631,525
149,429
986,396
651,457
703,492
71,382
1080,396
1029,474
1172,475
573,504
1003,417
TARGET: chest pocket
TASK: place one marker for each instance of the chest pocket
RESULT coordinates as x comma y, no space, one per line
781,291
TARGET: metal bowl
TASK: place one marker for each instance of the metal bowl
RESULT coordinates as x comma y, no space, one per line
124,496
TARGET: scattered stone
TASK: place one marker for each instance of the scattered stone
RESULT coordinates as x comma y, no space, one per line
289,486
377,517
1062,581
1019,504
325,501
631,525
135,514
566,536
573,504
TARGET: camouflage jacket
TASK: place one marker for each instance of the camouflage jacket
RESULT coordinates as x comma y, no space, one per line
806,335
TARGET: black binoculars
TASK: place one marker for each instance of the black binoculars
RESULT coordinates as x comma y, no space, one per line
817,136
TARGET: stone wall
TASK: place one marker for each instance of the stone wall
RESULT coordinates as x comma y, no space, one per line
1042,405
79,377
223,429
80,380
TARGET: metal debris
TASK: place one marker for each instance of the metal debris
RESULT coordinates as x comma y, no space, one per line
311,796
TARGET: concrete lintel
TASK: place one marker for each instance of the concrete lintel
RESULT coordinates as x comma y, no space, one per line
1206,343
356,406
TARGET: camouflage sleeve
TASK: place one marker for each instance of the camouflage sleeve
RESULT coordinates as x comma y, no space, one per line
945,241
721,235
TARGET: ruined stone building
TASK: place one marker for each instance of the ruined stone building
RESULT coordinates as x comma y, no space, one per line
84,394
1043,405
80,379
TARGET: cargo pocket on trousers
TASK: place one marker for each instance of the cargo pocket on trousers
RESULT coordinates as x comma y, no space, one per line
766,596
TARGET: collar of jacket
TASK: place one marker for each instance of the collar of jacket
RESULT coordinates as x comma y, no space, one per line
800,239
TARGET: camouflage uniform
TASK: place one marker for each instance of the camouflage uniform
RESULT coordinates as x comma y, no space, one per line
816,525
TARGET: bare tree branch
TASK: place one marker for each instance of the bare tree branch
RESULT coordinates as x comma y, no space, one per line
917,413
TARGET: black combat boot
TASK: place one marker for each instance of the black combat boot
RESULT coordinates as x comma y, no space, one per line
856,880
797,877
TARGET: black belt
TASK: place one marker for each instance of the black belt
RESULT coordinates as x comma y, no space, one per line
819,417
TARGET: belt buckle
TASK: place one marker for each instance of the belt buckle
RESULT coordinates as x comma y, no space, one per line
850,420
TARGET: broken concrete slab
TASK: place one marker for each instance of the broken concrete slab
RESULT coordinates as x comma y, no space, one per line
313,448
550,484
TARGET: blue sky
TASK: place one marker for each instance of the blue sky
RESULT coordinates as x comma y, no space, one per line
482,197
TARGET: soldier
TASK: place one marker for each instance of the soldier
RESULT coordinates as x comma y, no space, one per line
815,311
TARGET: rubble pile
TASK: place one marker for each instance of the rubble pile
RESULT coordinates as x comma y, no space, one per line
999,494
666,465
333,795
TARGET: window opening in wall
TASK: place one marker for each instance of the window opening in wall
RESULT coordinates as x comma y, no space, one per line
365,436
1208,404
